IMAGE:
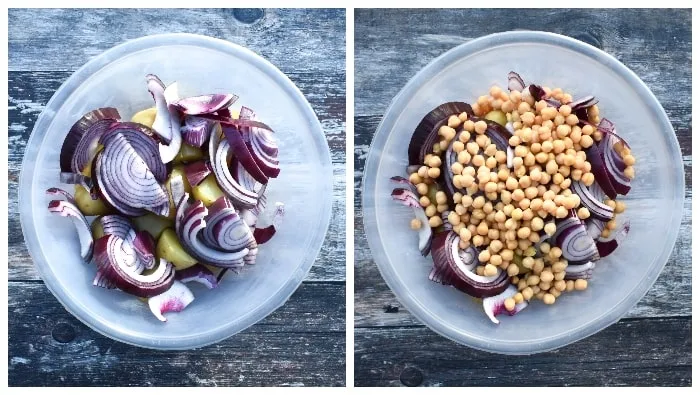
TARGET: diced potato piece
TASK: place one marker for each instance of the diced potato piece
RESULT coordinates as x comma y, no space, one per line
153,224
87,205
170,249
207,191
97,230
188,154
178,170
145,117
497,116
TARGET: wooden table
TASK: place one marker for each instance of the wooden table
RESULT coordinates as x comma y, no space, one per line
302,343
651,345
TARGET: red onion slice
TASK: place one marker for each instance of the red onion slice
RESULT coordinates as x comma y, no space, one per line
67,209
611,161
205,104
450,268
189,223
425,234
199,274
515,82
145,248
600,171
126,173
577,245
162,124
607,246
264,234
196,130
116,225
495,305
196,172
239,150
584,102
118,267
537,92
174,299
597,208
575,272
426,133
80,145
595,227
60,193
218,150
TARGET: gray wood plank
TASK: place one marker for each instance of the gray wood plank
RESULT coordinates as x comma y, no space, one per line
301,344
647,352
294,40
29,92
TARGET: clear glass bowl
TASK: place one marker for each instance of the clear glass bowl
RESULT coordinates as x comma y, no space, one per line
656,199
201,65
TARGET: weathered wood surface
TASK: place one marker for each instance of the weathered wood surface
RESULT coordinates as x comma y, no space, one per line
390,47
301,344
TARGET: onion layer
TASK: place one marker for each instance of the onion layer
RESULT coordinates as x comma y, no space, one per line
65,208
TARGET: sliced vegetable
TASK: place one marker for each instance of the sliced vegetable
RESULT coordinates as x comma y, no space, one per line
205,104
426,132
455,267
597,208
497,116
196,172
88,205
425,234
607,246
65,208
584,271
188,154
170,249
613,164
207,190
81,143
129,172
594,155
235,191
577,246
197,273
145,248
153,224
173,300
196,130
515,82
495,305
263,234
118,266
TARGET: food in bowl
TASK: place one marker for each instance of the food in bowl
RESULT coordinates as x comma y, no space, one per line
178,193
516,195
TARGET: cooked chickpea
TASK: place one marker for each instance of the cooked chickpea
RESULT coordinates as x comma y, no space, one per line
620,207
434,172
523,232
431,210
629,172
435,221
561,212
480,127
548,298
580,284
416,224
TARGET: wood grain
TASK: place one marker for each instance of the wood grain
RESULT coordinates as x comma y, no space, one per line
302,343
610,358
392,347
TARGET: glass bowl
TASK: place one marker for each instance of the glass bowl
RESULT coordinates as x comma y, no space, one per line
201,65
656,199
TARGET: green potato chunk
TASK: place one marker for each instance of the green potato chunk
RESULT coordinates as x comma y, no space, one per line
153,224
188,154
207,191
87,205
145,117
170,249
497,116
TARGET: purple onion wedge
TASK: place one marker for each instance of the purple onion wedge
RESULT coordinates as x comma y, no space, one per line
495,305
515,82
595,156
597,208
80,145
425,134
189,224
607,246
218,152
614,165
145,248
117,264
205,104
269,227
451,268
196,172
409,199
173,300
584,271
65,208
577,246
196,130
199,274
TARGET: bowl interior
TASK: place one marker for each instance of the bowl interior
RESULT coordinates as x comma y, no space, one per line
200,65
656,198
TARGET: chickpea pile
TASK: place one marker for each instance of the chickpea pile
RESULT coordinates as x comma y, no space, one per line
504,209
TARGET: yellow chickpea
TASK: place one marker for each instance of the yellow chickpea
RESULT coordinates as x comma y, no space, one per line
580,284
434,172
480,127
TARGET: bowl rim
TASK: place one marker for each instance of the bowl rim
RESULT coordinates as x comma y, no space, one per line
379,140
36,140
